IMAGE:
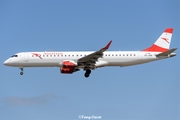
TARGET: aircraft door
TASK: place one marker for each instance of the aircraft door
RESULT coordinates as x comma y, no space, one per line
140,55
26,57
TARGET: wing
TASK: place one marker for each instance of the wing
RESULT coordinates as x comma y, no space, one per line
89,61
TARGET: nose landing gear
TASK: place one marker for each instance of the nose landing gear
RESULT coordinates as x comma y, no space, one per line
87,73
21,68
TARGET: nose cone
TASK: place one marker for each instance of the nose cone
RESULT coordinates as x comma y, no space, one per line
6,62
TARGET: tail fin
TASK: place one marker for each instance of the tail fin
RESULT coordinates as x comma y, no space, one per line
162,44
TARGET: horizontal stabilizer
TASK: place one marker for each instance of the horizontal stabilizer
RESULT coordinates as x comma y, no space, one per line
167,53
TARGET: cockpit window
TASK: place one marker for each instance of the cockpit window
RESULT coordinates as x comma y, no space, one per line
14,56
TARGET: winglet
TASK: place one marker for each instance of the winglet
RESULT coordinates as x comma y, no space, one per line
107,46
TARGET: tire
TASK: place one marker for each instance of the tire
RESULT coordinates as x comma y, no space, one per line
86,75
21,73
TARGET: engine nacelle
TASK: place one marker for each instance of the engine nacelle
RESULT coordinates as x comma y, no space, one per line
69,64
68,67
67,70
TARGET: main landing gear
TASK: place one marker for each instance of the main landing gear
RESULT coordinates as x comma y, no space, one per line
21,68
87,73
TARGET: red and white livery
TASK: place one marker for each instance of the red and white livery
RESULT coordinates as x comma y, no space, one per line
70,62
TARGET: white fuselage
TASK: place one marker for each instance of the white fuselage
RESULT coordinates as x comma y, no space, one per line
54,59
70,62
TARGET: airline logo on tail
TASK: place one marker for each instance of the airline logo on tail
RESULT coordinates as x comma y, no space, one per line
165,39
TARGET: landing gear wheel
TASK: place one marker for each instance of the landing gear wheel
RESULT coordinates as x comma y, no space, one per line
21,73
21,68
87,73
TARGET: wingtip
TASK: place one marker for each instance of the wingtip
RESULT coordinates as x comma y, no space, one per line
175,48
107,46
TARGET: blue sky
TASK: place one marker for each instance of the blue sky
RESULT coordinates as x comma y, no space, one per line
144,92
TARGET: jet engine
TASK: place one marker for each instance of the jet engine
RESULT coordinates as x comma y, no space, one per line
68,67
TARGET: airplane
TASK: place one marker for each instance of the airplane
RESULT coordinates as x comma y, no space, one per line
70,62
